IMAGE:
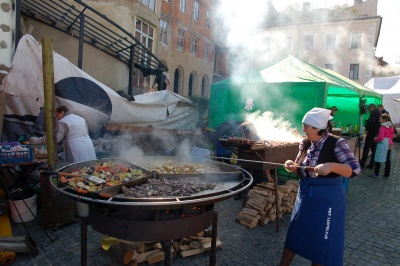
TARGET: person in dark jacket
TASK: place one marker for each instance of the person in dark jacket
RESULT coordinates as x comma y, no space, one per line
372,130
382,109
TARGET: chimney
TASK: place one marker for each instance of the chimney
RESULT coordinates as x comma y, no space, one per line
357,2
306,7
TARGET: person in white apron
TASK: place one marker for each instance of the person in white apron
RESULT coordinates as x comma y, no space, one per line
73,130
316,230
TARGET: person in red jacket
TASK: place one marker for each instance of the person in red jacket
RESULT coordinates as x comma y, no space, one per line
384,146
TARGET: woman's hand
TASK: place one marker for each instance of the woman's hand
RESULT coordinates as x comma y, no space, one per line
322,169
291,166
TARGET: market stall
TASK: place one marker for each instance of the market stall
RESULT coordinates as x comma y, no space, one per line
288,88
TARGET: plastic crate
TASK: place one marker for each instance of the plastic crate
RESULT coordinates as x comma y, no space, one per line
9,154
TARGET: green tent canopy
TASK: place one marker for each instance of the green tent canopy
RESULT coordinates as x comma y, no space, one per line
288,88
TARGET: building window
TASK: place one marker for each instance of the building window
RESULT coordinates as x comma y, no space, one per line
330,41
182,6
149,3
196,10
329,66
208,19
145,34
287,44
176,81
181,39
195,42
308,42
206,52
192,82
356,40
354,70
163,31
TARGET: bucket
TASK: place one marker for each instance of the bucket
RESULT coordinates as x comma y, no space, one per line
27,210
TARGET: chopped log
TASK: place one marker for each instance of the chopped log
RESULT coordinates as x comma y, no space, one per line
249,211
143,256
128,257
185,241
138,246
294,183
270,199
262,192
207,246
257,198
157,246
201,234
272,217
251,205
203,240
263,220
156,257
195,244
191,252
176,245
184,247
247,225
244,217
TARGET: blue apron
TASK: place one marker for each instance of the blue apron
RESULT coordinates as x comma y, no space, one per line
316,230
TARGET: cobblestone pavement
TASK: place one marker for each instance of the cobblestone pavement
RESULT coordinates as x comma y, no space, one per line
372,232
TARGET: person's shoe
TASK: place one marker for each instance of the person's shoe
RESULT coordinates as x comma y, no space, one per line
370,166
387,176
373,175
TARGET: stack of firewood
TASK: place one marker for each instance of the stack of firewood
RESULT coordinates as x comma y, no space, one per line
133,253
260,203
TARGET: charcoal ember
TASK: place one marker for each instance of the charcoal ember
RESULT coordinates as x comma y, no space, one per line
165,187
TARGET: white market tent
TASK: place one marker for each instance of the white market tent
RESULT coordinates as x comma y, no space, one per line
389,87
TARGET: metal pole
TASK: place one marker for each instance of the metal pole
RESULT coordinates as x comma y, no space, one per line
84,224
17,23
213,252
81,34
276,198
131,69
49,110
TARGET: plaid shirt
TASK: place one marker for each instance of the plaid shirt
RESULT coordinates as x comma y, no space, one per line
342,152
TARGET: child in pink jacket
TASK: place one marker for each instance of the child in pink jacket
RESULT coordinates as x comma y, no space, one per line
384,148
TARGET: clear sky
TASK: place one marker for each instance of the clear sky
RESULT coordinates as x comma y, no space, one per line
389,10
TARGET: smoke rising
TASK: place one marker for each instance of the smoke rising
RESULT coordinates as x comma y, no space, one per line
275,129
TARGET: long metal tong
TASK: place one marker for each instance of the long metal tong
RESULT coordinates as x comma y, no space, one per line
308,168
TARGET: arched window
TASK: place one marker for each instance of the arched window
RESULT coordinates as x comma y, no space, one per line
204,86
192,84
176,81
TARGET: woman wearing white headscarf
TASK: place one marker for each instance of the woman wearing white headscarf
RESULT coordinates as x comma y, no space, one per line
316,230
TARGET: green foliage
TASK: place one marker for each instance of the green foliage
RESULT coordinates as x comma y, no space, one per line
200,101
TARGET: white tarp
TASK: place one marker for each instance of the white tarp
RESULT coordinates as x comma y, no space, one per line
389,87
85,96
